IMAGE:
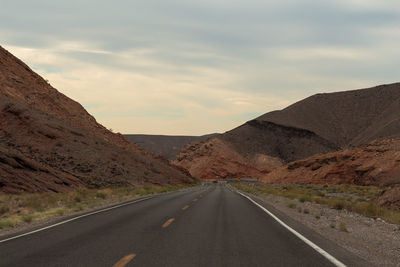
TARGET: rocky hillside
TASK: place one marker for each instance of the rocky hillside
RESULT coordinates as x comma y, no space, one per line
215,159
165,146
376,163
49,142
319,124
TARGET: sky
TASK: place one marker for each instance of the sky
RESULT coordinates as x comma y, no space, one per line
183,67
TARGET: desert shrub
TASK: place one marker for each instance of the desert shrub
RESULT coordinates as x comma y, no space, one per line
4,210
78,208
299,210
343,228
6,224
27,218
305,198
338,204
101,195
320,200
60,212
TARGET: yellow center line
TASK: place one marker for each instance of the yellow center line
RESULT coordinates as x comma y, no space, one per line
167,223
124,261
186,207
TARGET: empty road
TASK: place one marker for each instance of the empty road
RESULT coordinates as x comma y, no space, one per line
210,225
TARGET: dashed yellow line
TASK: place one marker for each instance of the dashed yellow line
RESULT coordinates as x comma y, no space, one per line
186,207
124,261
167,223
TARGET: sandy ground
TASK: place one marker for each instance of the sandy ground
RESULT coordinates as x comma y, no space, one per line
376,241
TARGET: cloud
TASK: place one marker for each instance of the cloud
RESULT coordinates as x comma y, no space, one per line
179,67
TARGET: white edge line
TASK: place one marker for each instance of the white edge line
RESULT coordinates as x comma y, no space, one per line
307,241
73,219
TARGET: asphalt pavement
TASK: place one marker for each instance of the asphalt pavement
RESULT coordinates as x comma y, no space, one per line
209,225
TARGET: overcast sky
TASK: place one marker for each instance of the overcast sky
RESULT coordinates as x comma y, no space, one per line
196,67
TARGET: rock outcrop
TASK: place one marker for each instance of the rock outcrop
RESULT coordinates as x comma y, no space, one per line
376,163
214,159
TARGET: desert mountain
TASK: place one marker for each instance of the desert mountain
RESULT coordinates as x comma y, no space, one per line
319,124
165,146
49,142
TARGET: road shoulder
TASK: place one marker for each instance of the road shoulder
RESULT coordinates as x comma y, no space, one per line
300,223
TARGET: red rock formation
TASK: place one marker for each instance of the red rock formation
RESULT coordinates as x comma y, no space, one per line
377,163
214,159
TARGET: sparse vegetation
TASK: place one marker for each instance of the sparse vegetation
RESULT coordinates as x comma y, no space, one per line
19,209
332,225
343,228
27,218
292,205
359,199
101,195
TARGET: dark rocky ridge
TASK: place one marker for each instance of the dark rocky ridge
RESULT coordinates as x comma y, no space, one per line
166,146
280,141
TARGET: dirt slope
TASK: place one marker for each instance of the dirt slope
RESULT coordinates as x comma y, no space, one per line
319,124
165,146
376,163
49,142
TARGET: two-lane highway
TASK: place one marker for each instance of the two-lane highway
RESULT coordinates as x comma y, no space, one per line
210,225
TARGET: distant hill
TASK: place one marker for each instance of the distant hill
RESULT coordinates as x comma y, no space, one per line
49,142
319,124
166,146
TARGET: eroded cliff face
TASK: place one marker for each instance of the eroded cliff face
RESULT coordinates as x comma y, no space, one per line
49,142
376,163
215,159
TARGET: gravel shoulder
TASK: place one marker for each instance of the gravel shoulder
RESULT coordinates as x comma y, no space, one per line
373,240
